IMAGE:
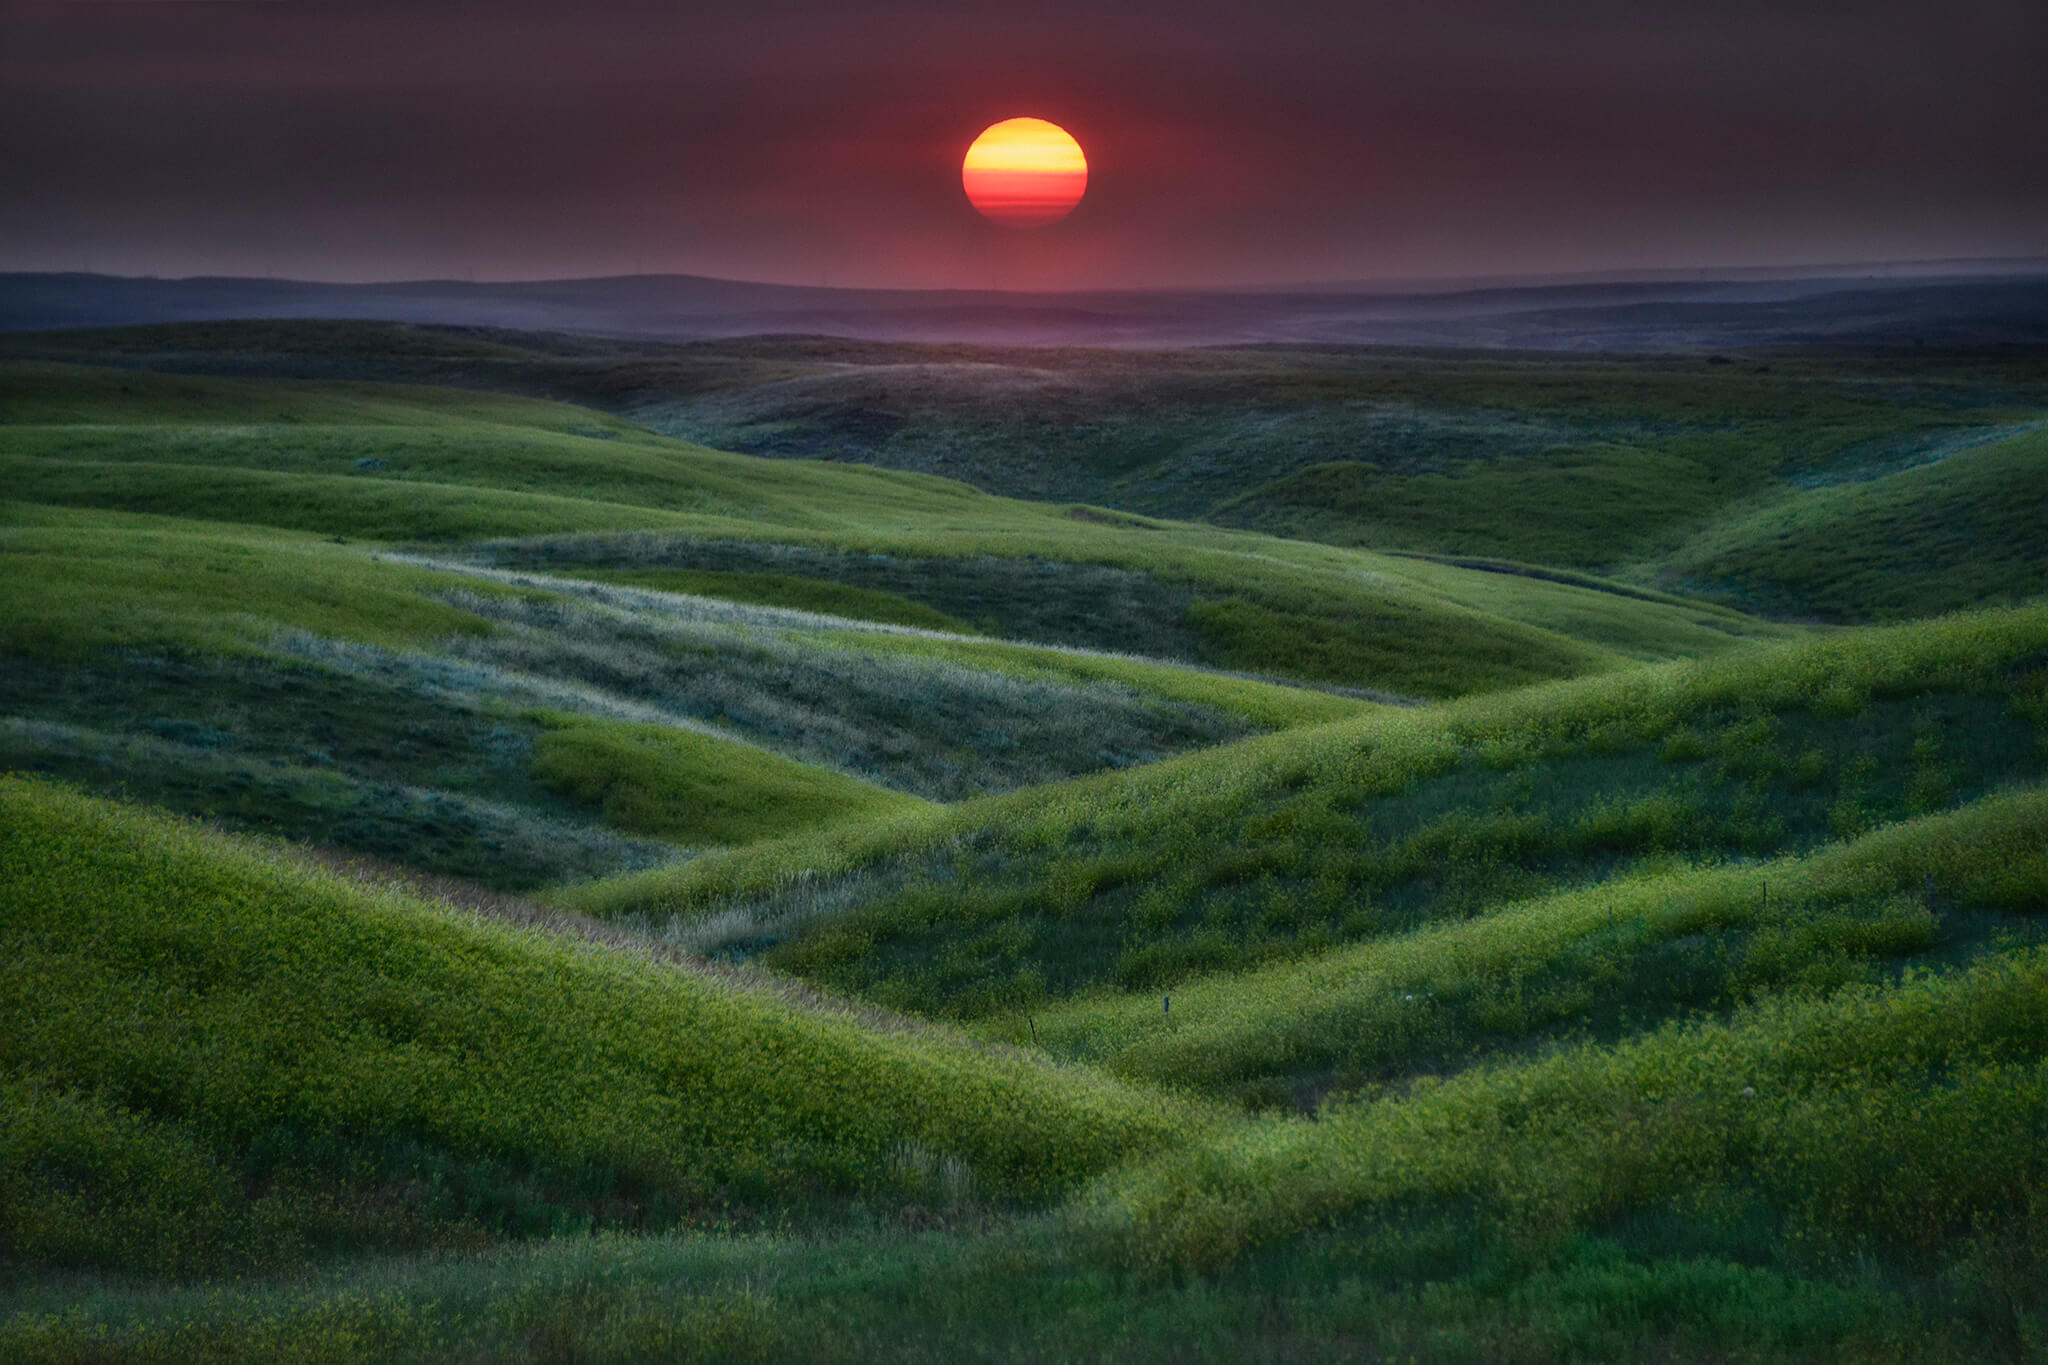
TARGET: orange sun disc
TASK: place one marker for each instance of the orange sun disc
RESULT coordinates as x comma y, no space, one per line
1025,172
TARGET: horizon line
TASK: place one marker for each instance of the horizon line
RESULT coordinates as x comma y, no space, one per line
1899,268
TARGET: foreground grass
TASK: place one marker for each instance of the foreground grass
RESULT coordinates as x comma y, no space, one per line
1821,1176
1003,1293
219,1061
1897,1123
1601,961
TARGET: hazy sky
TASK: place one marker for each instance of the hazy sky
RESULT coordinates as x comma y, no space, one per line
811,141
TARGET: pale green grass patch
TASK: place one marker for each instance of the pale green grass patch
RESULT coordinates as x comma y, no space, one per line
78,582
187,1007
694,789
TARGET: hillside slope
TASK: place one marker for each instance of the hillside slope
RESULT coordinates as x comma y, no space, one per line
705,906
218,1058
394,464
294,1070
1285,845
1609,463
1961,525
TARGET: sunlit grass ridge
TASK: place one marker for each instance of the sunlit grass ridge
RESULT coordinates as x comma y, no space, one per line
1287,844
188,1012
1897,1120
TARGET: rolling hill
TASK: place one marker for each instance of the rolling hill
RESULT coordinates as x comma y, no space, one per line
486,873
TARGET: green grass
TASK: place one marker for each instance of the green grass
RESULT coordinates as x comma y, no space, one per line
89,399
1312,621
81,583
382,463
1045,600
381,707
926,726
1290,844
1964,531
1831,1175
1884,1123
1264,704
1626,621
1668,985
782,590
1601,961
1827,1175
1576,505
220,1060
1562,460
511,839
990,1295
695,789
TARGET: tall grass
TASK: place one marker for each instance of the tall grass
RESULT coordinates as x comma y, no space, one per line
926,726
1895,1123
1262,702
1616,957
1290,844
215,1058
500,841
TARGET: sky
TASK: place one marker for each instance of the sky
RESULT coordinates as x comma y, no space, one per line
808,142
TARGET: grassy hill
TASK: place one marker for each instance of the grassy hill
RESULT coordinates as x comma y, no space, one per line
1603,960
1289,845
409,465
1961,526
1657,468
409,1078
216,554
300,1066
484,878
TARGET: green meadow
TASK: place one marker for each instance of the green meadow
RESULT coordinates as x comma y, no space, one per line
544,848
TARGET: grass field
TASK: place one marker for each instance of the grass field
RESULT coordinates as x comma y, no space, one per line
1262,854
1293,844
1599,961
1649,467
483,1080
1963,528
383,463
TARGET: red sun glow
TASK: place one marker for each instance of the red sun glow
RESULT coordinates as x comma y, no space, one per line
1025,172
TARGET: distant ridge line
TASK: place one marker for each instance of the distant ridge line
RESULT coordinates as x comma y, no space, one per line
2007,304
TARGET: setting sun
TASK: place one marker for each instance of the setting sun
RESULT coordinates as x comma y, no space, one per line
1025,172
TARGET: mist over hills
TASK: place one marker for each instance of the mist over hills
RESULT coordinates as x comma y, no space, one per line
1986,305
